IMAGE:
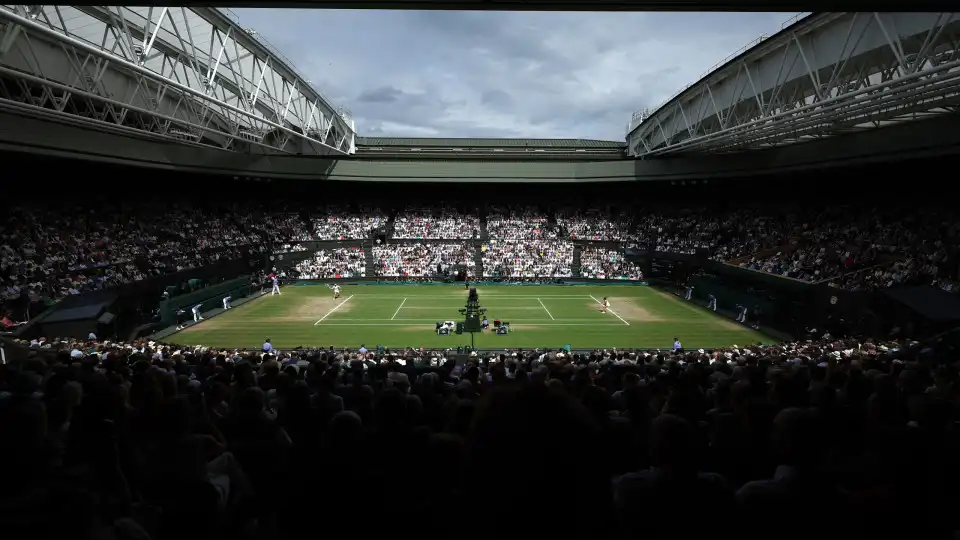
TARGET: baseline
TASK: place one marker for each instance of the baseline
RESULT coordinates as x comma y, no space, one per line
485,305
498,296
401,323
611,311
533,321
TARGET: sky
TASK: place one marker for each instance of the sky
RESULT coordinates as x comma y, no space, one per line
502,74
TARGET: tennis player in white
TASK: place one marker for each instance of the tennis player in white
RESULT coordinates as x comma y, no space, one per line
276,286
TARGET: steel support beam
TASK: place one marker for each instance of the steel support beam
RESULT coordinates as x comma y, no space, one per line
564,5
827,74
179,74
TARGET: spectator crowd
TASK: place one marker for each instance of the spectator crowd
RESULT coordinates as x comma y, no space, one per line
433,224
419,260
519,225
523,244
147,440
594,225
49,251
55,249
520,259
338,225
604,263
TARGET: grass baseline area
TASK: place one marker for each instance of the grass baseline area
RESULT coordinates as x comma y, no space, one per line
546,316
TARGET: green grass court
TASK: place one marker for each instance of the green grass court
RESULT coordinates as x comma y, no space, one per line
406,315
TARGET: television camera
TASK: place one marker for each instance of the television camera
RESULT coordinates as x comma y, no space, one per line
473,314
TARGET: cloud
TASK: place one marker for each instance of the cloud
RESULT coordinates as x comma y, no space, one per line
503,74
384,94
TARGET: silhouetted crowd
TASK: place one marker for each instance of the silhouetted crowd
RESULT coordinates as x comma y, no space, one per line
53,249
814,439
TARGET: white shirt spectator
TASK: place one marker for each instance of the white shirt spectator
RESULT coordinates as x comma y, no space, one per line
334,264
445,225
346,225
604,263
421,259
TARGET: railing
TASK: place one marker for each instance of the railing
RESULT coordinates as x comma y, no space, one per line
840,277
639,114
262,41
779,276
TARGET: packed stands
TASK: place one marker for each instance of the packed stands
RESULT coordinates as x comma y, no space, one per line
434,224
724,235
207,440
594,225
423,260
867,247
56,249
523,259
49,251
277,226
338,225
604,263
519,224
334,263
523,244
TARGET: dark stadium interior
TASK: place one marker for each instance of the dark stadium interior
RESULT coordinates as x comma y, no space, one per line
116,423
305,433
915,180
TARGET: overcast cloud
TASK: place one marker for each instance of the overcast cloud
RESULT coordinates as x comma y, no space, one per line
502,74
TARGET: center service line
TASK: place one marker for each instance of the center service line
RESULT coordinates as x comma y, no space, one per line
329,313
398,309
545,309
610,310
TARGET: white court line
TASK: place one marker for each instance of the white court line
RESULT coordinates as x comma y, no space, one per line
519,321
545,309
329,313
610,310
503,308
430,325
398,309
457,297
